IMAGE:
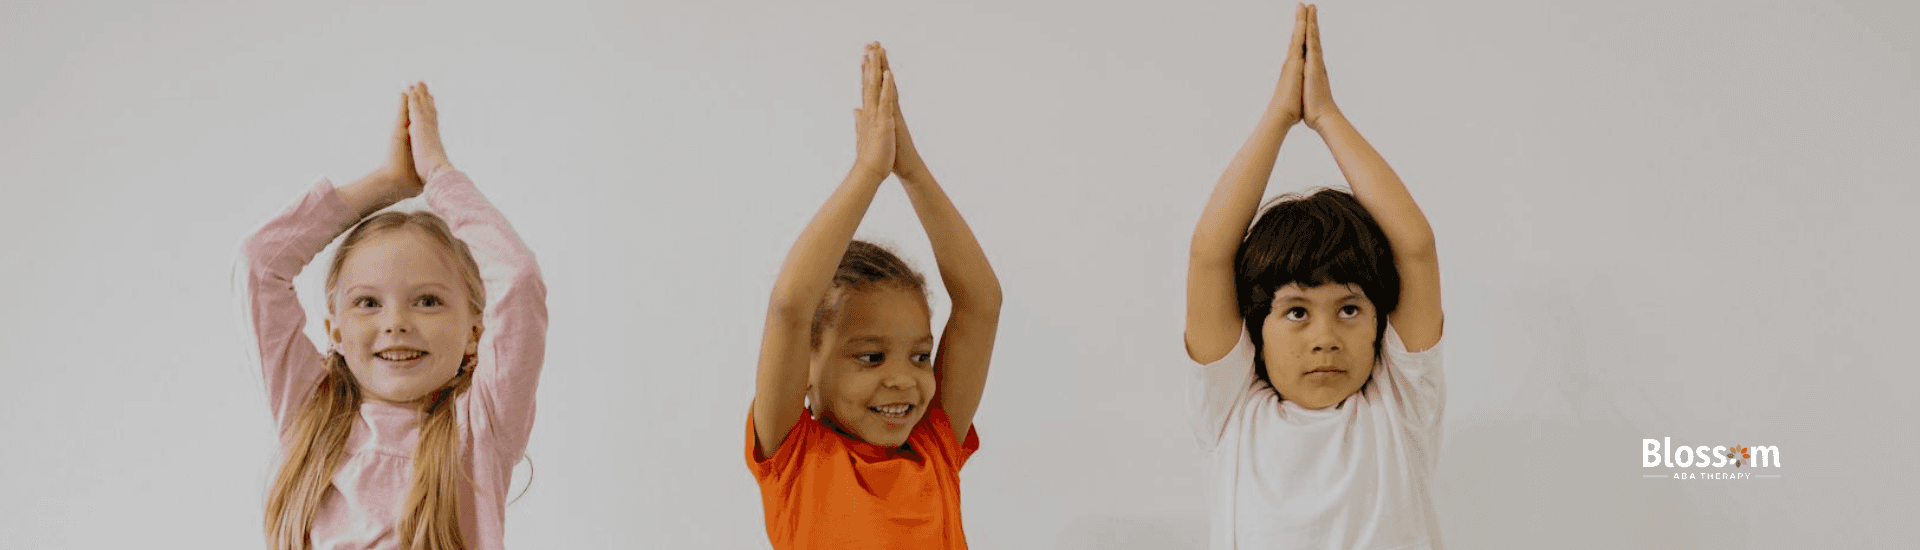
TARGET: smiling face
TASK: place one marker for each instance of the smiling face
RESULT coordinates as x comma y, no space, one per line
401,316
1318,343
872,374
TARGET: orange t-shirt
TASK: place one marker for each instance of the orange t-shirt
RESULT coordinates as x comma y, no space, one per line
826,490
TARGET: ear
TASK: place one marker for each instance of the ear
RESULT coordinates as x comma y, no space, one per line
333,333
813,371
473,346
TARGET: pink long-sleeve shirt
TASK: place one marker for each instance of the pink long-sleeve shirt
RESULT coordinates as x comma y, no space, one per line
494,415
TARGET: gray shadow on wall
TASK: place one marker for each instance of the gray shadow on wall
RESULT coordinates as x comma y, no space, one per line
1141,532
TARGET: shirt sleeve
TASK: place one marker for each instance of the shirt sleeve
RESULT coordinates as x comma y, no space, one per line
1217,387
514,341
781,464
289,363
1412,384
940,428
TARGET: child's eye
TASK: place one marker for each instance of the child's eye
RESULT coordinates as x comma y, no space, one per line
922,358
427,301
1349,311
1296,314
872,358
365,301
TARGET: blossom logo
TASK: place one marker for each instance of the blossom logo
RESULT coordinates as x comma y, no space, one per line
1661,452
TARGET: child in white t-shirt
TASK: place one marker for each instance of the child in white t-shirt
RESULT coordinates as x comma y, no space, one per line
1318,395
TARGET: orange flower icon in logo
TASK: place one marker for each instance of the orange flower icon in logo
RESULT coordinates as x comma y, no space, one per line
1739,455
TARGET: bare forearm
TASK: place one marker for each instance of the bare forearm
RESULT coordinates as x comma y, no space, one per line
1237,195
1213,315
1378,188
808,271
966,346
963,264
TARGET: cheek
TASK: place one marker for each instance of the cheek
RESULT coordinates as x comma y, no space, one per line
1278,342
929,384
849,384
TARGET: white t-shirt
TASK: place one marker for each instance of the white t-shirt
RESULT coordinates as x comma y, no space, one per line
1350,476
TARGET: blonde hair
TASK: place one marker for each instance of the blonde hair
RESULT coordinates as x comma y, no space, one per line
317,437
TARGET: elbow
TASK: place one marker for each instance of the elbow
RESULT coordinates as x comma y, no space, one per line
252,251
1206,252
1423,243
989,301
981,302
1416,250
256,253
526,274
522,279
787,307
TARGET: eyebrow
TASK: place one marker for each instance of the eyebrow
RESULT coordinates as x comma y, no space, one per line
1296,298
359,289
883,340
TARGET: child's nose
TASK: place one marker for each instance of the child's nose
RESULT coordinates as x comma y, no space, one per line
1323,339
396,322
897,377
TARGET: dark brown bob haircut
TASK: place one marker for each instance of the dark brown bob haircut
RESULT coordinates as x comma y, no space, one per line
1317,239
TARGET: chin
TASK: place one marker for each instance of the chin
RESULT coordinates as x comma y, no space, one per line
404,394
882,437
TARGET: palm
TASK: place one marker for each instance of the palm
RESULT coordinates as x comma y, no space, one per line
874,121
1318,96
1287,95
423,132
399,167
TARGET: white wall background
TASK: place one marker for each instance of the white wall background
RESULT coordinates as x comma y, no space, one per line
1657,219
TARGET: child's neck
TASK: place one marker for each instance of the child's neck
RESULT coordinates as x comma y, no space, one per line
827,420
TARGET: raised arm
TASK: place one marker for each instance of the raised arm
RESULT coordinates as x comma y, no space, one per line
1418,319
806,276
966,345
281,249
1213,310
515,320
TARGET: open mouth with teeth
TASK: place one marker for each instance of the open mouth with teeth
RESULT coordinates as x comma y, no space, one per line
895,411
400,355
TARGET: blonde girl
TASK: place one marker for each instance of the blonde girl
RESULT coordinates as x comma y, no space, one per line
403,431
860,422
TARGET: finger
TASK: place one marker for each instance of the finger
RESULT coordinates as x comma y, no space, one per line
426,98
886,68
889,98
404,120
870,83
1297,46
418,101
1313,34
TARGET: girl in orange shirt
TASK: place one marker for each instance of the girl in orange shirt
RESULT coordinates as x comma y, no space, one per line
858,429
